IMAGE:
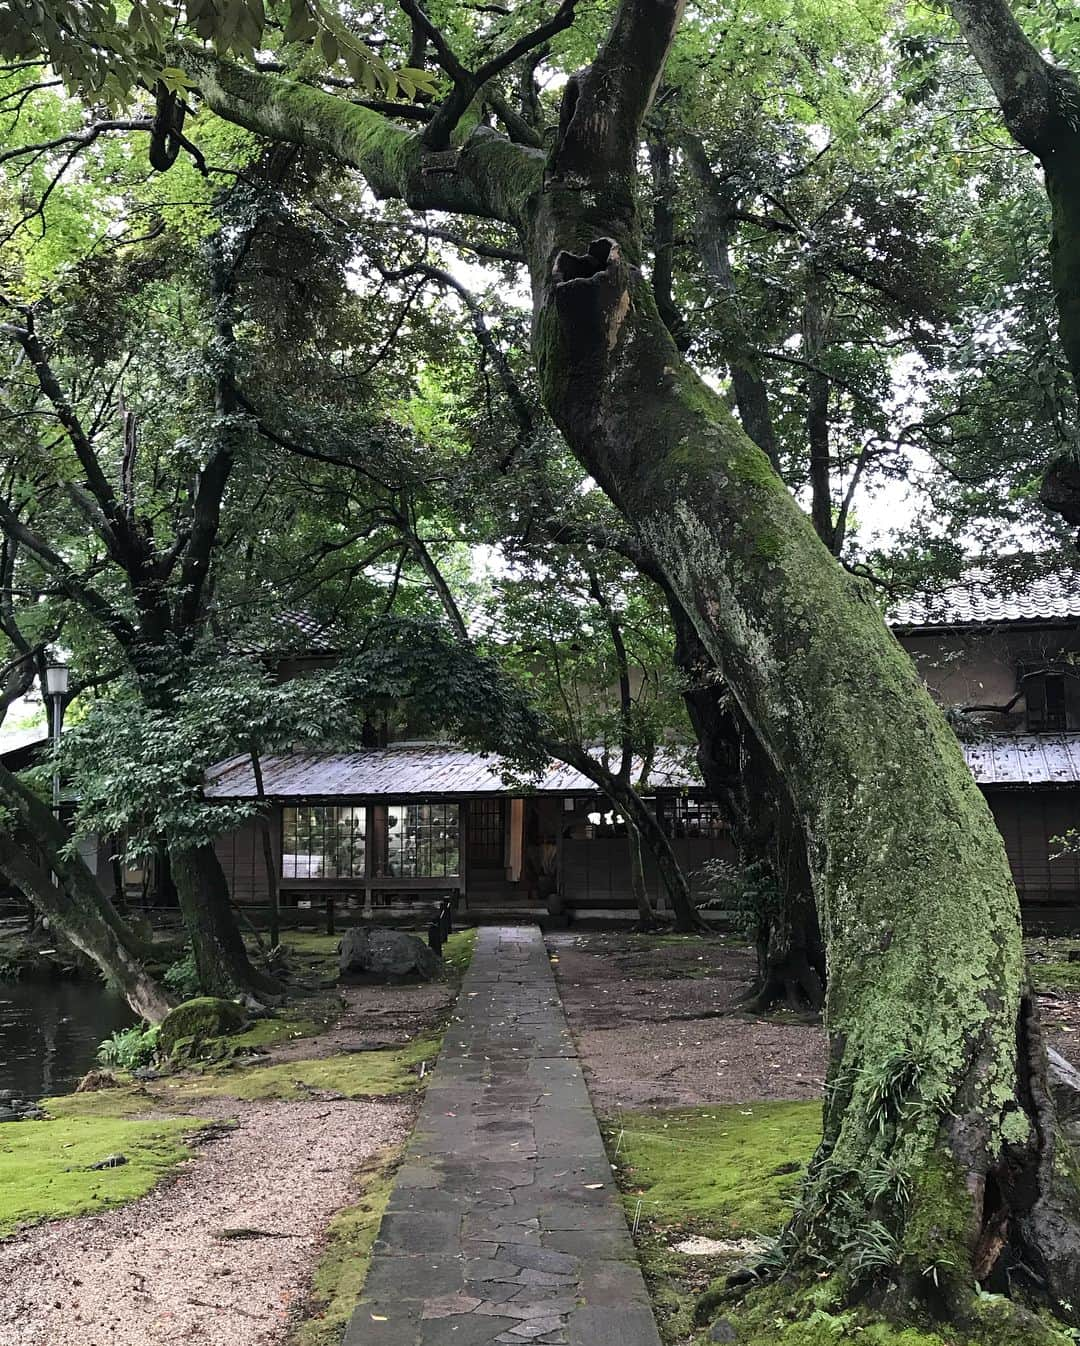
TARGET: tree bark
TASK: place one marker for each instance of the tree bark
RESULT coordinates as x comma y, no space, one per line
637,876
936,1072
220,956
75,905
738,773
904,855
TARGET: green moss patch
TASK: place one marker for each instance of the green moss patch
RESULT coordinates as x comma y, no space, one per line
266,1033
1056,976
342,1269
45,1166
729,1174
731,1169
458,951
353,1075
722,1173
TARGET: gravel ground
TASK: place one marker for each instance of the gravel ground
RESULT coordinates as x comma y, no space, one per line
158,1273
657,1027
657,1024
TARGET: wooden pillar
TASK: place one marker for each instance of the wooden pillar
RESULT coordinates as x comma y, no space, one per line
516,840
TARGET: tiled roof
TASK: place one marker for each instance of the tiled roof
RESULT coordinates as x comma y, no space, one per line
984,597
426,769
436,769
1025,759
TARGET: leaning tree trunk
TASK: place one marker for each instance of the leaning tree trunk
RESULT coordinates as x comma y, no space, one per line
75,915
637,876
935,1062
937,1075
75,904
220,955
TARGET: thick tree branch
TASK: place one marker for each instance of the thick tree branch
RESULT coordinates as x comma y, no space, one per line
490,177
1022,80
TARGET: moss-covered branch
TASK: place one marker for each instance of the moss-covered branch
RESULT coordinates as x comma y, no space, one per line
489,176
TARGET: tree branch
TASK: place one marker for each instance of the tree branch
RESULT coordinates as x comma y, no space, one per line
490,177
1023,82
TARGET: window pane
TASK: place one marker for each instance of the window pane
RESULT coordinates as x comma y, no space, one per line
323,841
421,841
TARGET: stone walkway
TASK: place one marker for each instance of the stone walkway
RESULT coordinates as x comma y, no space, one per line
504,1224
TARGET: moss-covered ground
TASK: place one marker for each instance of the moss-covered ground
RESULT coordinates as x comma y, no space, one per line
729,1174
1048,960
723,1173
46,1166
369,1074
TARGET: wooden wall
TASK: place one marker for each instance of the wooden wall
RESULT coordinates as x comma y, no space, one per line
1029,819
596,869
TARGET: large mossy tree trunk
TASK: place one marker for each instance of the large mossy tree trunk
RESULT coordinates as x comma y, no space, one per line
75,905
930,1077
940,1143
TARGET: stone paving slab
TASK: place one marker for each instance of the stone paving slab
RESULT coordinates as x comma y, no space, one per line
504,1224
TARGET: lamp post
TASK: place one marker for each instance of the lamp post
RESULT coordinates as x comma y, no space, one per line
56,686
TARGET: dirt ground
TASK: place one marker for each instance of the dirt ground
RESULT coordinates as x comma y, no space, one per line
657,1026
160,1271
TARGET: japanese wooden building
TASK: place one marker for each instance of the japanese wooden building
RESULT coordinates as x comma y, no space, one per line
379,825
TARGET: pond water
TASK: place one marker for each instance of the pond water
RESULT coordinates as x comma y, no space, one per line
50,1030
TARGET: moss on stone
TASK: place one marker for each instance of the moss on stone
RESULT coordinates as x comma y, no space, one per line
199,1020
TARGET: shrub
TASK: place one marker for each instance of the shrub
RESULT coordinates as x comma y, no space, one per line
129,1048
182,977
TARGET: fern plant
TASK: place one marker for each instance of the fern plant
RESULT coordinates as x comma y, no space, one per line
129,1048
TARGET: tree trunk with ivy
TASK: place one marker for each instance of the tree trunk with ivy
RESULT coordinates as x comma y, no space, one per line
75,905
940,1165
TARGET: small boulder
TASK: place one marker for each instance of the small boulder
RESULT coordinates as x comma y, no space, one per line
205,1017
722,1330
97,1079
387,955
110,1161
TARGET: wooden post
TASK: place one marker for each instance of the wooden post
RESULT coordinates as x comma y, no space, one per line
516,839
330,914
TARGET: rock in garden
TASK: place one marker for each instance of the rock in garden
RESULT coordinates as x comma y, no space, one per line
202,1018
97,1079
722,1330
387,955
